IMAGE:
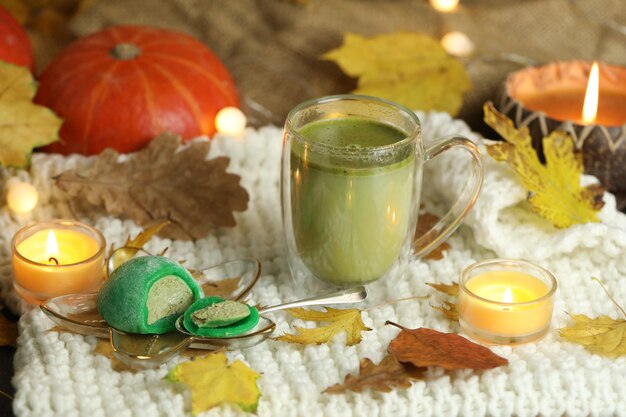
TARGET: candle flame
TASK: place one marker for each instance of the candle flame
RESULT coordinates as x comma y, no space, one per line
52,247
507,297
444,5
590,108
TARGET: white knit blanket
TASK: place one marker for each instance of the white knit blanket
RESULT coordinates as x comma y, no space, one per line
57,374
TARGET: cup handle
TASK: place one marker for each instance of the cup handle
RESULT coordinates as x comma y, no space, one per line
452,219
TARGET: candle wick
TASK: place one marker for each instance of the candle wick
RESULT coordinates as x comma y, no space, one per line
53,259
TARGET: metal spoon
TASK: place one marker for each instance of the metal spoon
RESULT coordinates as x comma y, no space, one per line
147,351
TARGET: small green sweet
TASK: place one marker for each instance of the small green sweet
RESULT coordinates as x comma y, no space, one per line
234,329
220,314
146,295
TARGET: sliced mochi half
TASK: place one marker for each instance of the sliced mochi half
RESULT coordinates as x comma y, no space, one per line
147,294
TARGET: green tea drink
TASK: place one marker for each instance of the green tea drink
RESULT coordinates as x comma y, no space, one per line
350,214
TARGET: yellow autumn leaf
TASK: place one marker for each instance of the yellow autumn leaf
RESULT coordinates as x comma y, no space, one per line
554,189
450,309
213,382
340,320
602,335
132,246
23,124
410,68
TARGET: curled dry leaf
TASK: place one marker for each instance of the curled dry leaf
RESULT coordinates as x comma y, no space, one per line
427,347
449,289
162,181
602,335
424,222
450,309
385,376
132,246
348,320
554,189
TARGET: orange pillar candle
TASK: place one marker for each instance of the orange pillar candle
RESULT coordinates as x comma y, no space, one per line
56,258
506,301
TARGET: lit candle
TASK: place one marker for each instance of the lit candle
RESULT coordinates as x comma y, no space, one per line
56,258
572,91
230,121
506,301
590,106
22,197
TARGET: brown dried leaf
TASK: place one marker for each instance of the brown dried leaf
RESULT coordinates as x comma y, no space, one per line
385,376
424,222
162,181
220,288
8,331
427,347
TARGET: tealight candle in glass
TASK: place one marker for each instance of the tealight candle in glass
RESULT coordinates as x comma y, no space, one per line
506,301
55,258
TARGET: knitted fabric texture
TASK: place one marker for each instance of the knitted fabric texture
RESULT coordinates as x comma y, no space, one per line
57,374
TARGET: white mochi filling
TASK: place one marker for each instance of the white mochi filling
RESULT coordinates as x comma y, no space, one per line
169,295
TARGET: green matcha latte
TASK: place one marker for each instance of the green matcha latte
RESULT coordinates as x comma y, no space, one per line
350,205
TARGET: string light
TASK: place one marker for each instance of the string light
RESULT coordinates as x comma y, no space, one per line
457,43
444,5
22,197
230,121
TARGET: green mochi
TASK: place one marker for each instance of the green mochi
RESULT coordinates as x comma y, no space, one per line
234,329
146,295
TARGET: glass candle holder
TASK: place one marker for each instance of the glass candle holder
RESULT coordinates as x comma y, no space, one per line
506,301
55,258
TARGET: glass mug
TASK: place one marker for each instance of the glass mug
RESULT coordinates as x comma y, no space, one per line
351,179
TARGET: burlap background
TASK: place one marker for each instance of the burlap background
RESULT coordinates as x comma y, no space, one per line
272,46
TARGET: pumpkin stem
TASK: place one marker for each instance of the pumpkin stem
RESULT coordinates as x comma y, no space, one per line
125,51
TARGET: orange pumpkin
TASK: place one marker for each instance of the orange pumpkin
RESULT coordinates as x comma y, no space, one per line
121,87
14,44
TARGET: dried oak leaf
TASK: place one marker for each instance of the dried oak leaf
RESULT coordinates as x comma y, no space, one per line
385,376
410,68
348,320
424,223
554,189
213,381
162,181
8,331
23,124
427,347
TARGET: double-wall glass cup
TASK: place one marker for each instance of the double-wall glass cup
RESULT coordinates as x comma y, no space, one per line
351,181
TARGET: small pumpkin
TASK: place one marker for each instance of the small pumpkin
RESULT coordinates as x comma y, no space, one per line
14,44
123,86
